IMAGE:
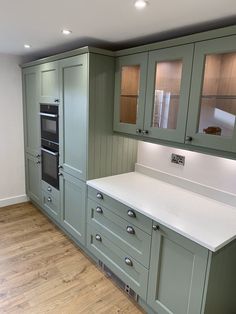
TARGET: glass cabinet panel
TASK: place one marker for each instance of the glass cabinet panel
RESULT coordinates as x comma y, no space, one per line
218,96
130,78
166,94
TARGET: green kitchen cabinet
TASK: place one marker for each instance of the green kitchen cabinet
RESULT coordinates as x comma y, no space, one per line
151,93
73,113
167,95
130,91
186,278
73,200
177,273
212,107
49,83
30,80
33,178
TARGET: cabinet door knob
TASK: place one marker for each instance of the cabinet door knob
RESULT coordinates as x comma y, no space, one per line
155,227
60,167
98,237
49,199
99,196
56,100
99,210
60,174
145,132
188,139
128,261
131,213
130,230
49,189
38,162
138,131
38,156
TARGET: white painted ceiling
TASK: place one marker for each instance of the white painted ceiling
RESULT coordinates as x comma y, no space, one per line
105,23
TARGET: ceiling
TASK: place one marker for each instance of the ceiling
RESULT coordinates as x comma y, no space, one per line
104,23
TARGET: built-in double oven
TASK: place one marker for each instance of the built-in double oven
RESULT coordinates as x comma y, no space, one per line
50,143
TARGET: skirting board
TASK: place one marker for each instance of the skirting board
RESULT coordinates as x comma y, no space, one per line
13,200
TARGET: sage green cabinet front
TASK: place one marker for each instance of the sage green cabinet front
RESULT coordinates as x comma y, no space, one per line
168,85
152,91
212,109
177,274
49,83
30,78
33,178
73,113
130,91
73,201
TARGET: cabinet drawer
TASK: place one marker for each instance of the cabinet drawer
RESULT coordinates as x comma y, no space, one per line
122,210
125,235
51,204
126,268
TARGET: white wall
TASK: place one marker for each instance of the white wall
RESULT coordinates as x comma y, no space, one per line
12,178
212,171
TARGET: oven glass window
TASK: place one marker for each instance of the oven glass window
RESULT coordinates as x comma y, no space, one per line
50,165
49,125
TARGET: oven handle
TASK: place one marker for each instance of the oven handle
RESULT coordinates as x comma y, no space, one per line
49,152
50,115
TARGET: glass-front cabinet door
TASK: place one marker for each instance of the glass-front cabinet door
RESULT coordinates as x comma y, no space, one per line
169,77
212,111
130,90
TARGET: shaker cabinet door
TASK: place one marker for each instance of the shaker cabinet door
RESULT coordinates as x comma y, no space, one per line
33,178
49,84
130,90
212,110
73,202
73,113
177,274
30,78
168,85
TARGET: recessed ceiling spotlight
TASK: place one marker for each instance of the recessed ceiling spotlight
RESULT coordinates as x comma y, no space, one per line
140,4
66,32
27,46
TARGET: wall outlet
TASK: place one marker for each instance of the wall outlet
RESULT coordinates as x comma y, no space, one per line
178,159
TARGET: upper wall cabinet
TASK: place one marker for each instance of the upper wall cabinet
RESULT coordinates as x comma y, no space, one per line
130,90
168,85
151,96
49,85
30,78
212,109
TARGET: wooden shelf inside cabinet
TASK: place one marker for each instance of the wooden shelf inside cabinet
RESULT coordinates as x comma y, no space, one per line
219,96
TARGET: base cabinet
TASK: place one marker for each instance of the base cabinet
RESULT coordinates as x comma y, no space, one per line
73,199
33,178
177,274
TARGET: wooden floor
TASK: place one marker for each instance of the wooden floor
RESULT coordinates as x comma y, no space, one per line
42,271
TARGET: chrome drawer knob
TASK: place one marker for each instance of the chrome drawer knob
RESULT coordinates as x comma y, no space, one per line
128,261
138,131
155,227
56,100
145,132
130,230
131,213
60,174
60,167
49,189
49,199
99,210
99,196
38,156
98,237
38,162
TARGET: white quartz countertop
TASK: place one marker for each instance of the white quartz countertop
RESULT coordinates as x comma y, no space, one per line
210,223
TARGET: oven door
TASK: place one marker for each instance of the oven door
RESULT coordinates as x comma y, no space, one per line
50,162
49,126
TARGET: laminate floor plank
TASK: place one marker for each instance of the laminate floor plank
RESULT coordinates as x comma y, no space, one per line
43,271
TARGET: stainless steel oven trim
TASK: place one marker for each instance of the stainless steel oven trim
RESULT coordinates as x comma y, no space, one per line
49,152
50,115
